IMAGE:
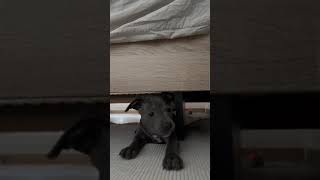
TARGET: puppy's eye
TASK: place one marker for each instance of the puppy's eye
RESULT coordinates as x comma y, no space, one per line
151,114
168,110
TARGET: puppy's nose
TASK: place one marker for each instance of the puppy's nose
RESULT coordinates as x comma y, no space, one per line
167,126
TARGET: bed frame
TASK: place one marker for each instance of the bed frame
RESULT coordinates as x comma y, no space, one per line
265,73
51,58
162,65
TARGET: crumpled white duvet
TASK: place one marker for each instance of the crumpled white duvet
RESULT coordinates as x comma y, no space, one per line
141,20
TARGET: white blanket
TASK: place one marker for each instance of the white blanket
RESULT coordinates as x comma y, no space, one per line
141,20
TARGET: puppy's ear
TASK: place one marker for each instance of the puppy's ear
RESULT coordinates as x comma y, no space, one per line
135,104
56,150
81,137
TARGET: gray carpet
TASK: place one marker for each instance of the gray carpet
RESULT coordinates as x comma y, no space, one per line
195,152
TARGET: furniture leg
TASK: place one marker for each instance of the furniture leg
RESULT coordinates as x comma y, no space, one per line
179,115
225,133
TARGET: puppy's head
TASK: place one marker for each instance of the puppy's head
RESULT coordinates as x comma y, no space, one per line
157,113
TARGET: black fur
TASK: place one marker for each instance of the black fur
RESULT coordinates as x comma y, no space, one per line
88,136
160,105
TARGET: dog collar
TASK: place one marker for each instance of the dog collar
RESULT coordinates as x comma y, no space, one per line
154,137
157,138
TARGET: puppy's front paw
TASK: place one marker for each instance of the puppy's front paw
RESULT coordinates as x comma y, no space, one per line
129,152
172,162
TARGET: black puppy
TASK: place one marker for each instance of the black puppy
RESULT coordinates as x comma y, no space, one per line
88,136
156,126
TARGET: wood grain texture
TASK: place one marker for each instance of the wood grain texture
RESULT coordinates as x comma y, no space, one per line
53,48
266,46
162,65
